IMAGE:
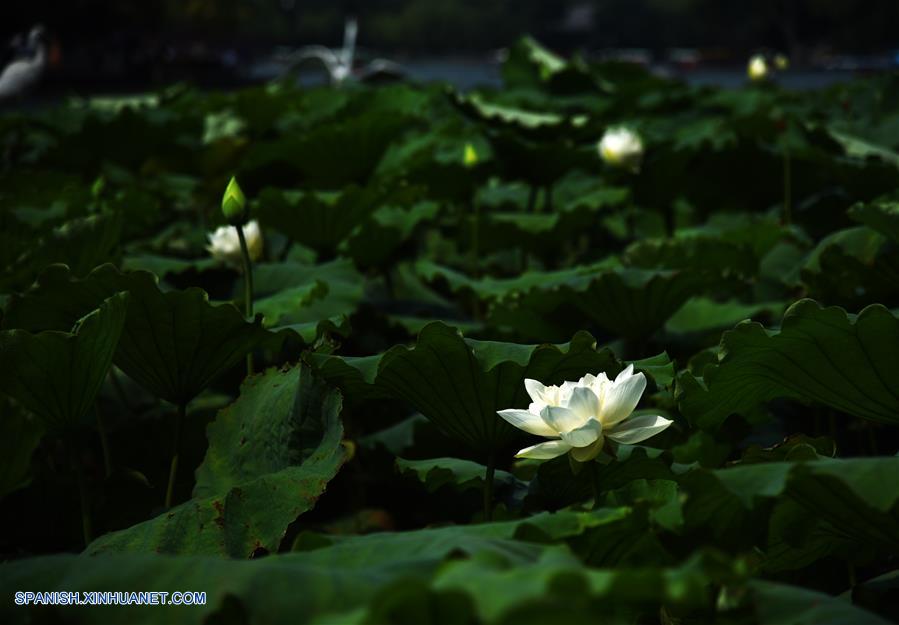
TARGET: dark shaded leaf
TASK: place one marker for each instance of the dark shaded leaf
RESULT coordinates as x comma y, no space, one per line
57,374
271,455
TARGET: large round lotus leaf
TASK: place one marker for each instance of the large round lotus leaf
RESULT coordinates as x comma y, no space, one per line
174,343
57,374
823,355
270,457
460,383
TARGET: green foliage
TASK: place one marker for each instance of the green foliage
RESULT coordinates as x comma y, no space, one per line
819,354
19,437
270,456
57,374
174,343
422,254
463,474
460,384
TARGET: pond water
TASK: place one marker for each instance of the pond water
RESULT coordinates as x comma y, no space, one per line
467,73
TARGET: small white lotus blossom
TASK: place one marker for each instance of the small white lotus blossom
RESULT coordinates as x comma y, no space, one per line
580,415
757,69
224,244
621,147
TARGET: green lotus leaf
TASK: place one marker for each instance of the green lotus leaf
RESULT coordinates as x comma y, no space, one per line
819,354
57,374
576,202
555,485
628,302
174,343
19,437
700,253
260,590
782,604
319,220
858,147
853,268
341,587
520,540
460,383
546,62
530,65
434,157
300,297
502,115
462,474
874,594
325,156
824,506
702,314
163,266
81,243
882,215
270,457
345,575
534,591
379,240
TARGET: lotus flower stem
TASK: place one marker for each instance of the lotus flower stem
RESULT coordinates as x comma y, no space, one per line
548,198
86,523
475,238
488,486
247,286
595,482
176,451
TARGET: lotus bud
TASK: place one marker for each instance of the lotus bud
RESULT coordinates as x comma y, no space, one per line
470,157
621,147
98,187
234,204
757,69
224,244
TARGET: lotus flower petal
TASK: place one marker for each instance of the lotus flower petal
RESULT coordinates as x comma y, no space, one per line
585,454
528,421
545,451
584,403
536,390
585,435
621,397
638,429
561,419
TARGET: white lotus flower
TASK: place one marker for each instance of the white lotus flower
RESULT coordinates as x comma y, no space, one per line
225,245
580,415
757,69
621,147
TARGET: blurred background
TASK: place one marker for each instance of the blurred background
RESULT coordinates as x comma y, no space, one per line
103,46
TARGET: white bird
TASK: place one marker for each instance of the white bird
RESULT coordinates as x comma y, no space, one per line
339,63
21,74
